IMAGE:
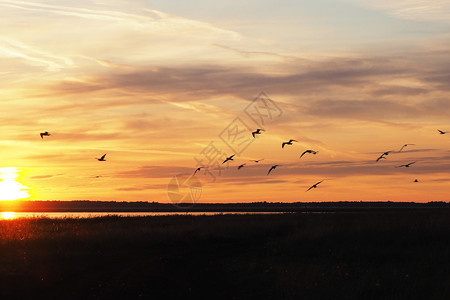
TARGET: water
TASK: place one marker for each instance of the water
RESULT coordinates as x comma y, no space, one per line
61,215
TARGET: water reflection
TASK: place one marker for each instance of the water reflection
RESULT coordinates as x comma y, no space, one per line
7,215
61,215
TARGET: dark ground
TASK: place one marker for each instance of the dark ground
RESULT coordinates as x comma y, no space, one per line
402,254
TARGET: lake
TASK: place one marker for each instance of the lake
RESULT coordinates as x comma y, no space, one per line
60,215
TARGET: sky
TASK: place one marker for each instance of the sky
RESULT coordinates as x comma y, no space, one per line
158,85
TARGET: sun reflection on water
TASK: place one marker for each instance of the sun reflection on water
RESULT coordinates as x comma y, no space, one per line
7,215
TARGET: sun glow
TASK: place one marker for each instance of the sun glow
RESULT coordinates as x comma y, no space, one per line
10,188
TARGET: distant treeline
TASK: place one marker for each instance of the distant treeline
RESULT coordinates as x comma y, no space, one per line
113,206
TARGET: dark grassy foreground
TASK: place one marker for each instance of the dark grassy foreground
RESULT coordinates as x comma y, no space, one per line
361,255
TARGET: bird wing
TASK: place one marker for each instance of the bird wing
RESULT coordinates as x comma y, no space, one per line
273,167
319,182
103,157
303,153
42,135
310,188
253,133
411,163
284,143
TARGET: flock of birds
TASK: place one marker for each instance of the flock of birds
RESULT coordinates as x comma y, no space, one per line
313,152
290,142
46,133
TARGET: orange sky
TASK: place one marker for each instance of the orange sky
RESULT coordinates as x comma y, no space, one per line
153,83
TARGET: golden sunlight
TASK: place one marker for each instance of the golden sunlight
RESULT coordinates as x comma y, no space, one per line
7,215
10,188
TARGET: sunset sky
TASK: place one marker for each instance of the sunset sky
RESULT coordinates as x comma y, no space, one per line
155,83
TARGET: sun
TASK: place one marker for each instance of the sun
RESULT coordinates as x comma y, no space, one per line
10,188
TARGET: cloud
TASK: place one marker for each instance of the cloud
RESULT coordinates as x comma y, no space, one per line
155,172
144,187
421,10
364,88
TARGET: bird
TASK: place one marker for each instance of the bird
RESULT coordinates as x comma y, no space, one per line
314,185
257,160
442,132
272,168
102,158
415,180
258,131
404,147
406,165
241,166
198,169
309,151
42,134
288,143
383,155
228,158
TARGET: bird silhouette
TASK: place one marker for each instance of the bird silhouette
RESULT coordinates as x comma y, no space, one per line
415,180
198,169
102,158
241,166
442,132
309,151
258,131
314,185
288,143
272,168
229,158
42,134
404,147
258,160
406,165
383,155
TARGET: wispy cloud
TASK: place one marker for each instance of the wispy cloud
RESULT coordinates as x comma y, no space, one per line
422,10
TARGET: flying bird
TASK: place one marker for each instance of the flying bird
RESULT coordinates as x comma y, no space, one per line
406,165
198,169
272,168
42,134
258,160
288,143
102,158
258,131
314,185
404,147
241,166
228,158
383,155
442,132
309,151
415,180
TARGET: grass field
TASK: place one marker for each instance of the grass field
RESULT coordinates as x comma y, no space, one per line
361,255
